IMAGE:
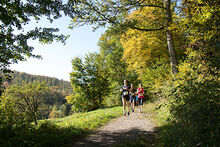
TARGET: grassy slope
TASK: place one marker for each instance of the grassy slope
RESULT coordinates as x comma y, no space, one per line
89,120
73,127
65,131
62,131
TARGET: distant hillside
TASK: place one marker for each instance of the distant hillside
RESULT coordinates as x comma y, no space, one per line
55,104
20,78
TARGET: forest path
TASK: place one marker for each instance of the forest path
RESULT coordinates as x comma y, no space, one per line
121,130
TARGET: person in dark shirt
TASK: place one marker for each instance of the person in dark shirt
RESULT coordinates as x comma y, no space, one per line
132,97
125,96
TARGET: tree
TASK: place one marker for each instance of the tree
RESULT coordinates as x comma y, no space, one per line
100,13
89,82
28,99
111,51
15,14
193,95
143,49
199,21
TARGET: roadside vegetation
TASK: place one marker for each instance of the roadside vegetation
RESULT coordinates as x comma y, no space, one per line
57,132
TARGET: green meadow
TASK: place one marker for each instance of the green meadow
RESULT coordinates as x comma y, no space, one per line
61,131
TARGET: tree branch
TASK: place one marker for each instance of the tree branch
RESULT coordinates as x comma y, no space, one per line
140,4
101,14
151,5
22,107
140,29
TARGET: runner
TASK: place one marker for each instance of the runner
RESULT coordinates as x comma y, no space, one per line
140,92
132,97
136,102
125,96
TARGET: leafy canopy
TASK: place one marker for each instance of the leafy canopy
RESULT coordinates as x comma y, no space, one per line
89,82
104,12
27,102
15,14
142,49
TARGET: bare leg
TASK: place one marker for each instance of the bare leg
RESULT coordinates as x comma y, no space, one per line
128,105
133,104
124,103
141,108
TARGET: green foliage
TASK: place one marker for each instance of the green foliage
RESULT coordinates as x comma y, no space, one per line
61,86
55,114
59,132
189,112
111,51
154,77
89,82
104,12
9,117
27,100
59,112
189,101
56,92
199,22
14,38
193,106
101,13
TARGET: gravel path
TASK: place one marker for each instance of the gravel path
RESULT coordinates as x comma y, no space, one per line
120,131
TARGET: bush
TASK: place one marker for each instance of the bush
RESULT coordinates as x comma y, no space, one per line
154,78
56,114
193,103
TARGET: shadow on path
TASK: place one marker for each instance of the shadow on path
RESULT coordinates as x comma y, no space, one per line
107,138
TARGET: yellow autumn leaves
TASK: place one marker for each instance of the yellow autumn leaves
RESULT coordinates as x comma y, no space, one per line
142,49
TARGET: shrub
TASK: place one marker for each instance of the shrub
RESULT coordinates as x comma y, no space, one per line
55,114
193,103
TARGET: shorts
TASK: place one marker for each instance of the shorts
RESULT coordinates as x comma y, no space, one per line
126,97
140,101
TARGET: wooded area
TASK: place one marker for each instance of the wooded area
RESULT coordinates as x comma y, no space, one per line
37,97
171,46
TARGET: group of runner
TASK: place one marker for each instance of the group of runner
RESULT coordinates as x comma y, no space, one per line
129,96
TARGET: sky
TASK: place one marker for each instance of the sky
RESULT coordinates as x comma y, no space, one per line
57,57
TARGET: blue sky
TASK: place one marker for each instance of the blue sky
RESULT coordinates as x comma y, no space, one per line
57,57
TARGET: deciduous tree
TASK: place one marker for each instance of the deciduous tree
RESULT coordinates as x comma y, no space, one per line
100,13
28,99
89,82
15,14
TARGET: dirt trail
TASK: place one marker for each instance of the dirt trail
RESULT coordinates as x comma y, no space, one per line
120,131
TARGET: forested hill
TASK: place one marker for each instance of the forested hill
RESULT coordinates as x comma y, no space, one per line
20,78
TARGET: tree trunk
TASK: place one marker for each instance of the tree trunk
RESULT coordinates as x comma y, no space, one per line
170,42
35,119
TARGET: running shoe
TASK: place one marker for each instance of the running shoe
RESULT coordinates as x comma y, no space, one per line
124,114
128,113
132,109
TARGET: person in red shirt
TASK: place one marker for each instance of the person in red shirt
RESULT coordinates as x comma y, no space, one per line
140,92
